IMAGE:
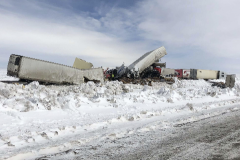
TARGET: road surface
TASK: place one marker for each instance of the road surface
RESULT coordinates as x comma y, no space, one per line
213,138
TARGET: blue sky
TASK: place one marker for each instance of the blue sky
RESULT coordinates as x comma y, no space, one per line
196,34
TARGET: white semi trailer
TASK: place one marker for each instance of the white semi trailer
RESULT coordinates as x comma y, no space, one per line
206,74
147,59
31,69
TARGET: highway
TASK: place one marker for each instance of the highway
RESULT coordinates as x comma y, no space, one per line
214,138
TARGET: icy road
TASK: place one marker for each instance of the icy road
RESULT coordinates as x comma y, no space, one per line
186,120
214,138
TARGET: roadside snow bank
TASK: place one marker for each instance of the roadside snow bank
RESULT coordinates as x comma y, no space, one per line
34,117
39,97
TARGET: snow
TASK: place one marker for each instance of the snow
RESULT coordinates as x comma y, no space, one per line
3,76
36,120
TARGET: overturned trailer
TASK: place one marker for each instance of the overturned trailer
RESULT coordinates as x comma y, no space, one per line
31,69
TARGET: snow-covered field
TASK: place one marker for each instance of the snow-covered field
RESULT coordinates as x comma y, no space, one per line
37,120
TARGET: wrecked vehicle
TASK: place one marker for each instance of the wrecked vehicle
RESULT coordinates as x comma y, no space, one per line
144,66
82,64
30,69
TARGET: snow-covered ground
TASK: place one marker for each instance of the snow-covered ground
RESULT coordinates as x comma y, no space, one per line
3,76
36,120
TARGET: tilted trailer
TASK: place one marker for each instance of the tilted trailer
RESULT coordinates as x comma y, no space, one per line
145,64
31,69
147,60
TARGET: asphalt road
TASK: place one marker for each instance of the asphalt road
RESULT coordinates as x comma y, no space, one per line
214,138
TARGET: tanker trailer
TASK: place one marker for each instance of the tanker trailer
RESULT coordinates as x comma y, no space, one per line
146,60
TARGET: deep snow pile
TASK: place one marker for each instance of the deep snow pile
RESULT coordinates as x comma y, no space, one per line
37,116
39,97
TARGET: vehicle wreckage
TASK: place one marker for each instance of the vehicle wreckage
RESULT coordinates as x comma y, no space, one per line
144,70
30,69
146,66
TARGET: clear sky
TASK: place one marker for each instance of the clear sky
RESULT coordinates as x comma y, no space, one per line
196,34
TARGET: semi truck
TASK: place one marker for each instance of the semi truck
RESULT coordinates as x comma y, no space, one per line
30,69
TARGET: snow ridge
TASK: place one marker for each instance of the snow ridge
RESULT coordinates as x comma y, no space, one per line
37,120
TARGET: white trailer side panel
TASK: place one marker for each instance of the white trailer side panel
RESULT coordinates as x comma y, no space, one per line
207,74
38,70
94,74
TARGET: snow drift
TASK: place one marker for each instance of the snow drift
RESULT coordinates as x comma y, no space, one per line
35,116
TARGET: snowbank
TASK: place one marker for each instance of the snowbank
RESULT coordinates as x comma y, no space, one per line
37,116
34,97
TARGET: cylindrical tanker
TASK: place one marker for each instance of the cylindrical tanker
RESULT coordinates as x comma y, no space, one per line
147,59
